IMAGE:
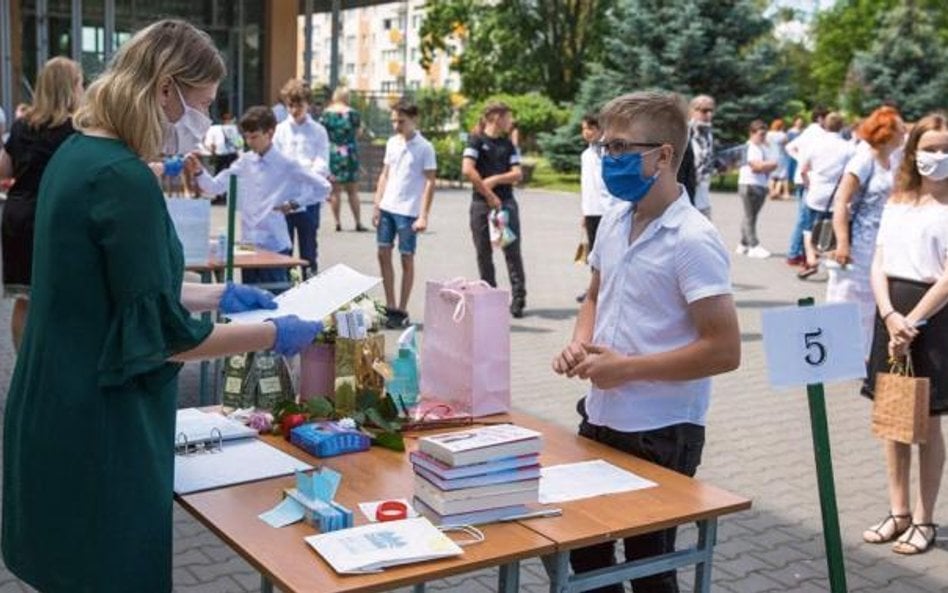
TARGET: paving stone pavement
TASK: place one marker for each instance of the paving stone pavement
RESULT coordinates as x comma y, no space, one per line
758,439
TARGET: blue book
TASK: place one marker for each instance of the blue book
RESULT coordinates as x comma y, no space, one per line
471,518
499,477
448,472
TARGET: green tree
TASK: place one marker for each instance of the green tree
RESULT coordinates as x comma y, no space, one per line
517,46
533,112
905,64
723,48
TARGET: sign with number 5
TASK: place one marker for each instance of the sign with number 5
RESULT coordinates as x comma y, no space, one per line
806,345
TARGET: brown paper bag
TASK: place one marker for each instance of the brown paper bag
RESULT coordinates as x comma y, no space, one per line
582,253
900,404
354,362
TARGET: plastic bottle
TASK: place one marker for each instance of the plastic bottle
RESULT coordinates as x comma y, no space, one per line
403,385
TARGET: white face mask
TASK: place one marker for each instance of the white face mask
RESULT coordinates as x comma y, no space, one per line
188,132
933,165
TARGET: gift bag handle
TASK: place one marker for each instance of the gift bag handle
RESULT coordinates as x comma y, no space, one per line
901,367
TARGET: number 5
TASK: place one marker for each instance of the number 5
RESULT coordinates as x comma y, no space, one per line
817,357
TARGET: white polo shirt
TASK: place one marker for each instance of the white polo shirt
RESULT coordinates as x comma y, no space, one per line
307,143
643,309
407,163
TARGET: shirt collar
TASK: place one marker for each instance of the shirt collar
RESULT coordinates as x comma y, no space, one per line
675,212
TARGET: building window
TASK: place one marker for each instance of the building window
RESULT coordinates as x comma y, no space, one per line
389,86
416,21
350,68
387,24
414,54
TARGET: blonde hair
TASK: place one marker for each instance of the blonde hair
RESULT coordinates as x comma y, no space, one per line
124,99
664,114
55,99
491,111
341,95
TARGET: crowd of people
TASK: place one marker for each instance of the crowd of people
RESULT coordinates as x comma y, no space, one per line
107,334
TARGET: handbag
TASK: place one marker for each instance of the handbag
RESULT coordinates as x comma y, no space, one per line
823,234
582,253
900,404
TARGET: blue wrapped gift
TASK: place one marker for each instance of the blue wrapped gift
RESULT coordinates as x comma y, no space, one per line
326,439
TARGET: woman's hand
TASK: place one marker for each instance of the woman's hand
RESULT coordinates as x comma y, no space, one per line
901,331
843,254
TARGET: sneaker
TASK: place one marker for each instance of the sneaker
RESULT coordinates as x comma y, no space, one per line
758,252
395,319
516,309
580,298
741,250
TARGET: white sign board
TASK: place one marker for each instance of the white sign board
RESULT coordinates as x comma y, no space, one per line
817,344
192,222
316,298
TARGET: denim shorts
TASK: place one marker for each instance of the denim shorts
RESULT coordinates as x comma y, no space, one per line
392,225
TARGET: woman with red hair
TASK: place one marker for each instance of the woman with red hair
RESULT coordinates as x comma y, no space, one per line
857,209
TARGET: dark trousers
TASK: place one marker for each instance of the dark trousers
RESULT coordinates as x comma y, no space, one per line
678,448
266,275
592,225
480,230
302,226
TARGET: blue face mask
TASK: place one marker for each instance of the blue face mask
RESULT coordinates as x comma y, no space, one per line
622,175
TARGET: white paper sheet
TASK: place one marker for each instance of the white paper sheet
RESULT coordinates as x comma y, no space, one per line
573,481
244,460
192,222
199,426
316,298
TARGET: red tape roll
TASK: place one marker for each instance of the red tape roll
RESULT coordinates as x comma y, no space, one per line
391,510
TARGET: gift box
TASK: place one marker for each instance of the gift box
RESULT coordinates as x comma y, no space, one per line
355,360
317,371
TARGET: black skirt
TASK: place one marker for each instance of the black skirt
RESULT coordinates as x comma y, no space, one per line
16,230
929,350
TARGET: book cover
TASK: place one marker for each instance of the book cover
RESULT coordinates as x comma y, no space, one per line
481,444
447,472
432,497
497,478
372,547
472,518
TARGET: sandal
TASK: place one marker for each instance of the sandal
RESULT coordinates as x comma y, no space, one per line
906,544
807,271
880,532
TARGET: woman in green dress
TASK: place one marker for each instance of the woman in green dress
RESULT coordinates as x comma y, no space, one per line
89,429
343,123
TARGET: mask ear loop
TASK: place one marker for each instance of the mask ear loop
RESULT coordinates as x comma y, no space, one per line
476,535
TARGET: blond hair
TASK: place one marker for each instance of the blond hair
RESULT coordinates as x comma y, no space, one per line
55,99
340,95
664,114
124,99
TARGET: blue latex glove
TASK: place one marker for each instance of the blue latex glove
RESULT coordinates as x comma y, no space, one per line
294,334
238,298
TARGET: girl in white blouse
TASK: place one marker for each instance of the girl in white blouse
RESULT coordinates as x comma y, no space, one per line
910,282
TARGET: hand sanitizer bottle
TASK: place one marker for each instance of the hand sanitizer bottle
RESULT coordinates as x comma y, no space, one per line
404,383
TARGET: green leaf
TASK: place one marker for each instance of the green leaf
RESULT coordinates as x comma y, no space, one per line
388,409
389,440
359,417
375,417
320,407
285,407
367,399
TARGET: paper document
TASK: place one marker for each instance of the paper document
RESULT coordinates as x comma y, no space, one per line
573,481
316,298
240,461
200,426
192,223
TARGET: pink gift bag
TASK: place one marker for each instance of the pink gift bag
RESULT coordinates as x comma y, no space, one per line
318,371
465,350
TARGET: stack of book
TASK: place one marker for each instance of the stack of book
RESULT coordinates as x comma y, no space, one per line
477,476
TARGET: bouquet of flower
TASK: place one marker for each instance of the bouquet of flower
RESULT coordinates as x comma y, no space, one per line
373,313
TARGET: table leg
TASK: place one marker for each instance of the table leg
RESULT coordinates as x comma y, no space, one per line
557,568
707,538
265,585
419,588
508,578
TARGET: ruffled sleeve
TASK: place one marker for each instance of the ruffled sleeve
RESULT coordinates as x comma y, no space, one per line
145,332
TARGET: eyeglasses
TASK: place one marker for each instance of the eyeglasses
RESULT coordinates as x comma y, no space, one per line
706,109
618,146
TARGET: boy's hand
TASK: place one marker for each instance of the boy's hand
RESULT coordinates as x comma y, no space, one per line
604,367
566,360
192,163
420,225
376,216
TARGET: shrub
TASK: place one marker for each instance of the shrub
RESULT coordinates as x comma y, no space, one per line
448,151
533,112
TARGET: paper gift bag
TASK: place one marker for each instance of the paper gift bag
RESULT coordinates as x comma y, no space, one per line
317,371
582,253
354,363
465,353
900,404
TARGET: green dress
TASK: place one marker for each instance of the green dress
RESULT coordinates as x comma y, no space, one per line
88,437
342,128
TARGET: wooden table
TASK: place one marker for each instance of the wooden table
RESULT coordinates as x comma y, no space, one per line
283,558
214,269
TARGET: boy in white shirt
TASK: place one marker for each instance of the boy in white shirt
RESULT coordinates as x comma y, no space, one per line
402,203
595,198
659,319
306,141
267,188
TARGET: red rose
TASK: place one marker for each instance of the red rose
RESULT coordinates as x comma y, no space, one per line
291,421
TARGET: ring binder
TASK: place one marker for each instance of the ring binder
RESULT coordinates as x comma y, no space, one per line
213,444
